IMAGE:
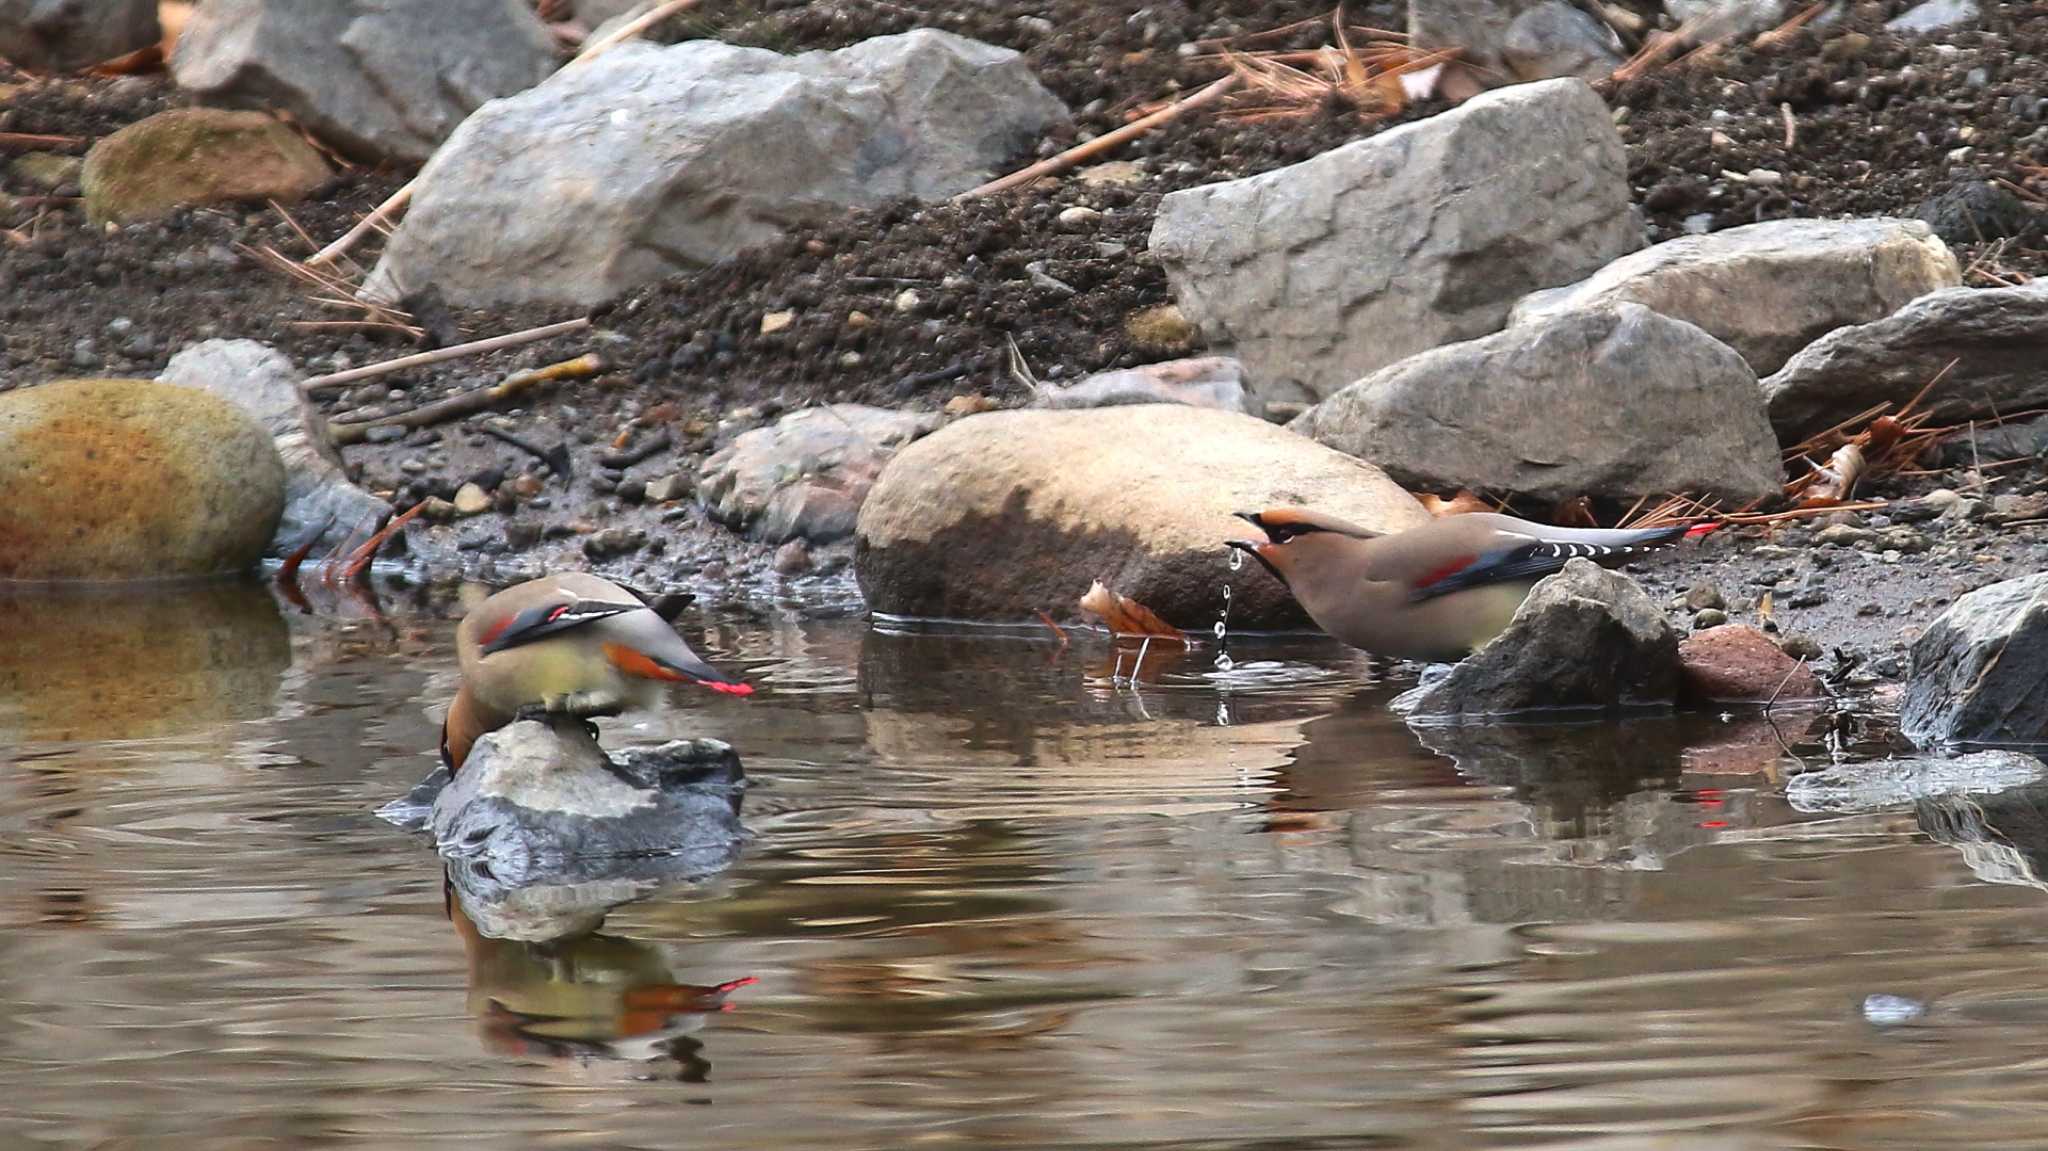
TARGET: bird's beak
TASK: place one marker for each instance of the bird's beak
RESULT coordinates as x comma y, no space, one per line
1258,551
1253,519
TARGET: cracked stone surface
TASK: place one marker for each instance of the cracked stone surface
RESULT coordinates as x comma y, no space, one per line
651,161
1319,273
1611,402
379,81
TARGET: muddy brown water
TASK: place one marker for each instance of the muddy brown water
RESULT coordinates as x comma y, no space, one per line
990,897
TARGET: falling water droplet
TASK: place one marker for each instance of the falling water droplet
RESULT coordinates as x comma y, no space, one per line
1220,629
1224,662
1236,564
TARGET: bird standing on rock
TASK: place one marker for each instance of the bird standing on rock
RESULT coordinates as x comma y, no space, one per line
1436,592
570,644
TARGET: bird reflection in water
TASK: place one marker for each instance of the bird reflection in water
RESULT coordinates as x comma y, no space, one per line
584,995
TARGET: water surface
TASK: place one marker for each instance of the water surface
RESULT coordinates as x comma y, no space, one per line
991,896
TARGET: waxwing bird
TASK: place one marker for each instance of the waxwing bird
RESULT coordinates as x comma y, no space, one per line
1435,592
569,644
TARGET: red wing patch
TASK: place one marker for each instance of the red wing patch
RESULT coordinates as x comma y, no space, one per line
1445,572
497,629
635,664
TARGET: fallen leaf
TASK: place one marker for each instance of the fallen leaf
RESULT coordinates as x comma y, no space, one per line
1125,616
1835,481
1461,504
1574,513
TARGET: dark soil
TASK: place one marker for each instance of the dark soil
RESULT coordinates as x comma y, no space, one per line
1878,124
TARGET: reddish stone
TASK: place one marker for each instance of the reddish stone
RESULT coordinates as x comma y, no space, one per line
1738,662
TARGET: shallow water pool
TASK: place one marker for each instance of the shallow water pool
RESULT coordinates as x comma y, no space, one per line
993,894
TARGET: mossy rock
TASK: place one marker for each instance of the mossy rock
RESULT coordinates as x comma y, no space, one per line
132,479
189,156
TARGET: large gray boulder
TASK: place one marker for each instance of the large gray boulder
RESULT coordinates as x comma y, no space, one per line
539,803
1424,235
131,479
1509,41
650,161
63,35
1768,290
1614,402
804,476
1004,515
1585,638
1980,671
1997,339
261,381
379,81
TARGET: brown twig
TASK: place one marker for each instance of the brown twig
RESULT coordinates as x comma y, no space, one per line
466,403
399,199
1105,142
452,352
38,140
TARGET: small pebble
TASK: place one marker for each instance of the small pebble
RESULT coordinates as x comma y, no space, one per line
908,300
1708,617
1076,218
471,500
793,558
774,322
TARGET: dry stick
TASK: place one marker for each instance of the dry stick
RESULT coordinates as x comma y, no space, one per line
1106,141
38,140
452,352
465,403
403,196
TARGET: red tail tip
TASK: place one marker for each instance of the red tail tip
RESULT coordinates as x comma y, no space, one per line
729,688
1697,530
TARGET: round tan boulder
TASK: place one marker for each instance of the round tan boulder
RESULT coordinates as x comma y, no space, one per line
197,156
131,479
1004,515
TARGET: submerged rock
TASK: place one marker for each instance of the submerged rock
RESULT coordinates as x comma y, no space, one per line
1321,272
1768,290
1996,338
1585,638
65,35
651,161
1613,402
1004,515
804,477
543,804
1884,783
132,479
378,81
262,382
1980,671
195,156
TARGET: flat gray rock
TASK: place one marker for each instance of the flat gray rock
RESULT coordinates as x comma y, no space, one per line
1316,274
1889,783
1935,16
262,382
1202,382
1585,639
1997,339
379,81
650,161
1980,672
1768,290
1612,402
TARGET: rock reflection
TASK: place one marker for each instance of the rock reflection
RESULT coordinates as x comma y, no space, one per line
546,981
2003,836
134,661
